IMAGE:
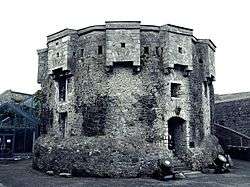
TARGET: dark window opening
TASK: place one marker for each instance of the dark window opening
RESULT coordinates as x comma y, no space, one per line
57,43
157,51
99,50
146,50
175,89
179,67
191,144
57,54
62,88
123,45
74,54
62,122
180,49
205,89
200,61
82,52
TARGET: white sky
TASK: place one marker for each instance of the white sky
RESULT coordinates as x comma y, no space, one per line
26,23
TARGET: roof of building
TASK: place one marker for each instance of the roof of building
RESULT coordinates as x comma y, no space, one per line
19,110
10,95
232,97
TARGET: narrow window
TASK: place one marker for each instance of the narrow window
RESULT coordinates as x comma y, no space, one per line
81,52
99,50
175,89
180,50
74,54
57,54
205,89
123,45
146,50
200,61
62,88
62,122
157,51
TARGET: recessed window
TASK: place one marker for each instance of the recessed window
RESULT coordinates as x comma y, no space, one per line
57,43
62,122
123,45
82,52
175,89
99,50
146,50
191,144
205,89
62,88
157,51
180,49
57,55
200,61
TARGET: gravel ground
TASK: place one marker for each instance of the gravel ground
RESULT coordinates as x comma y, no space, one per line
20,174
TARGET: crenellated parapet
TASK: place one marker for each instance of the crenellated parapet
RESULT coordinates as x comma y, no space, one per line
127,42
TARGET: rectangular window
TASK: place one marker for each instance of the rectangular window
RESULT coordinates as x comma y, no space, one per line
99,50
146,50
57,54
62,88
82,52
191,144
157,51
62,122
123,45
175,89
205,89
180,49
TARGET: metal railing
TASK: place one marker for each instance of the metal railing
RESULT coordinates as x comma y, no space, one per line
230,137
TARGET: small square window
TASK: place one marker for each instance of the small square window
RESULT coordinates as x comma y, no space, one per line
57,43
57,55
191,144
180,49
99,50
175,89
123,45
146,50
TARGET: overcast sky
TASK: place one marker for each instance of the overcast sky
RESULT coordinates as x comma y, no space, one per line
25,25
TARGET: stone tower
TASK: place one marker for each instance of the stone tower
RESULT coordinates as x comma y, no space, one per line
122,95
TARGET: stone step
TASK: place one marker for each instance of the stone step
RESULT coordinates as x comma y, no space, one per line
192,174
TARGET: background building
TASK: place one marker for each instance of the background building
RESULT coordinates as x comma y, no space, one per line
18,124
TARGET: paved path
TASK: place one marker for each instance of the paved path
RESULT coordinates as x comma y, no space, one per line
20,174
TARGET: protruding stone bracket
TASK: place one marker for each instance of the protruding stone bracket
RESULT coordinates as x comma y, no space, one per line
186,72
57,73
136,69
109,69
168,70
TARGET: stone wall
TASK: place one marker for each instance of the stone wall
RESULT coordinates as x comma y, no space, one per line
234,113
